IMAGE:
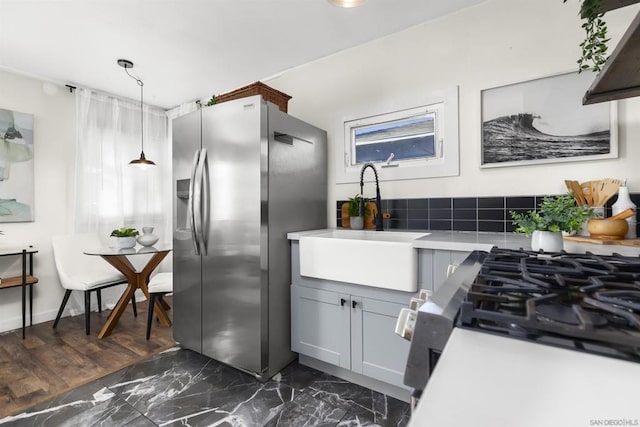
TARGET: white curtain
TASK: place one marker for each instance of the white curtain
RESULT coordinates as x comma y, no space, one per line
109,193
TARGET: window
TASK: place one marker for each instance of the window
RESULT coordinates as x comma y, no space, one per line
417,142
407,138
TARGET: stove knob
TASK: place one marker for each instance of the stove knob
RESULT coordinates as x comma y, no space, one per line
424,294
409,325
405,323
407,318
451,269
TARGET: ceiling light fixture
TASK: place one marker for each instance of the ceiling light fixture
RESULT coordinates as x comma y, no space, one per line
347,3
142,162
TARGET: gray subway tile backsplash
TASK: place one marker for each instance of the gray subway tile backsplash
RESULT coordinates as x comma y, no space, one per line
491,202
440,203
465,203
521,202
485,214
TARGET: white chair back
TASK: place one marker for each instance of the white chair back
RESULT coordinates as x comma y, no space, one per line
78,271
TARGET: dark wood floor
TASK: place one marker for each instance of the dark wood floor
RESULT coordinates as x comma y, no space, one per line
51,361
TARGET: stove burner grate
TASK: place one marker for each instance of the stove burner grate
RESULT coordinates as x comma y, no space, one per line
584,301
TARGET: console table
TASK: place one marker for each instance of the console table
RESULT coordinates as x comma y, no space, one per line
23,280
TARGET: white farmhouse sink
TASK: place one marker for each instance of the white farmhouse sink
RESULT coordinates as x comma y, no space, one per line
384,259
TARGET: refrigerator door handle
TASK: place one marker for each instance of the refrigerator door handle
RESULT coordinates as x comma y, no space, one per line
206,200
197,199
193,191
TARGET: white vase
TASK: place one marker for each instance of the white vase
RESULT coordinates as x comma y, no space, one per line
357,222
624,202
147,238
125,242
548,241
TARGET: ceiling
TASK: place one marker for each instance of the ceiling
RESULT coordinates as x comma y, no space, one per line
190,49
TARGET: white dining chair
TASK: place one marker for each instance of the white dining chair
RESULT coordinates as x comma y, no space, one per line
159,285
80,272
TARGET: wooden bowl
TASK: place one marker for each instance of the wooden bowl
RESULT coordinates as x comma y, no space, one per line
607,229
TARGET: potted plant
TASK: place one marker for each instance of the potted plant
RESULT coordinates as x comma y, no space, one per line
356,221
545,226
125,237
594,46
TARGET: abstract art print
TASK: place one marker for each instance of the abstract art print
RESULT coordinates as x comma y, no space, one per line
16,166
544,121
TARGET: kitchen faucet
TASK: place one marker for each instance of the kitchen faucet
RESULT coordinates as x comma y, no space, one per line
378,218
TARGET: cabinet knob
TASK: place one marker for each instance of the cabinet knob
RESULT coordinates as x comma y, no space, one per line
354,303
342,302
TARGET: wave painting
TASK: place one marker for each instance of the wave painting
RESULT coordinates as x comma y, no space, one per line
515,138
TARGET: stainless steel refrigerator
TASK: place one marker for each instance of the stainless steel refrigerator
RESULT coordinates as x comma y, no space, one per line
244,175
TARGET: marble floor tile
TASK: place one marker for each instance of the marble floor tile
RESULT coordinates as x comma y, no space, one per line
363,406
180,387
249,404
88,405
299,376
307,410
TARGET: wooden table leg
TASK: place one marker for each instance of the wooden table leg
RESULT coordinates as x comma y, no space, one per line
122,264
117,311
136,280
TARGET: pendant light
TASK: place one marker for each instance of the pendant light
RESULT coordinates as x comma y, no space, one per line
347,3
142,162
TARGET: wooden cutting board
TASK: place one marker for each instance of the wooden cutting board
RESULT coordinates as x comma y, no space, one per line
593,240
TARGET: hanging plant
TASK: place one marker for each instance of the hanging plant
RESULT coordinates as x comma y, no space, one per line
594,46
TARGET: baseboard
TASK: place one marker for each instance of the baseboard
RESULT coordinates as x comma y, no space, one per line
345,374
16,322
12,323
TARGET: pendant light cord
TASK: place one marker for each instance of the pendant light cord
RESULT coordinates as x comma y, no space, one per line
141,84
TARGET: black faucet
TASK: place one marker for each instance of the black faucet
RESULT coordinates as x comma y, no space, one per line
378,218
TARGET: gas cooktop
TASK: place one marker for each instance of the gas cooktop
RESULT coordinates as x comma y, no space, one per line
584,302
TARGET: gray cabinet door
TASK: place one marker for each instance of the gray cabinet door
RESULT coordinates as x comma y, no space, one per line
377,351
441,262
320,325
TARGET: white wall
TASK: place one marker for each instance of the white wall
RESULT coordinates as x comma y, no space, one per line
496,43
54,135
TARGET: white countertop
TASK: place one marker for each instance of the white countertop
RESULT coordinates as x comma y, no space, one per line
470,241
487,380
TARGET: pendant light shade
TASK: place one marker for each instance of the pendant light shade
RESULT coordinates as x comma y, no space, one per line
347,3
141,162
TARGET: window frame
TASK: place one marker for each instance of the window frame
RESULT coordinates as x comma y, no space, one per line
446,160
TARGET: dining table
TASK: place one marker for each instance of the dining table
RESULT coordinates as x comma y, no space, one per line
136,279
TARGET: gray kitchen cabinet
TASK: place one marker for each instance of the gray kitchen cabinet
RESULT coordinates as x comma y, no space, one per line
318,320
376,351
433,266
351,331
441,262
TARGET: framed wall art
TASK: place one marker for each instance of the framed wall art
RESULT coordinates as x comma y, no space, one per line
544,121
16,166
